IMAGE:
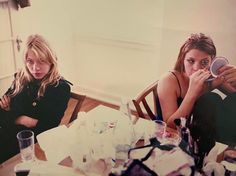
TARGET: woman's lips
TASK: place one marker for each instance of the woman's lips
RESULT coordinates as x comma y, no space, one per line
37,74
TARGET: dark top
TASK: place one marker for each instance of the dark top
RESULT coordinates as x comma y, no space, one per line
48,110
179,100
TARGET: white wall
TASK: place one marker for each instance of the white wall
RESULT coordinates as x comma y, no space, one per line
114,48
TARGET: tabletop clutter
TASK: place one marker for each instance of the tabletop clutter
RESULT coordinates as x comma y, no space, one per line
104,134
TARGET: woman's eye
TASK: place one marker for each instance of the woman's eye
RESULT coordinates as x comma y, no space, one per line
205,62
41,62
29,61
190,61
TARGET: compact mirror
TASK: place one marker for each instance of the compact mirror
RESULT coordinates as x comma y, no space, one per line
217,63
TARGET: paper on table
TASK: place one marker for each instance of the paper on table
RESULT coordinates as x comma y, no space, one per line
87,143
54,143
77,141
176,160
215,151
139,153
104,114
143,127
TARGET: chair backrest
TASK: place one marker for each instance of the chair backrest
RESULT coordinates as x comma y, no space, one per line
147,109
73,107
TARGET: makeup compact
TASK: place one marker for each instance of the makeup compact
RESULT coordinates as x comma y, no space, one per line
216,64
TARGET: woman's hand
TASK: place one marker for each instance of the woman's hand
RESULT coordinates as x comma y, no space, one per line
228,74
26,121
196,82
5,102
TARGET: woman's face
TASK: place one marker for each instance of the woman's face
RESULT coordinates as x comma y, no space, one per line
37,68
196,59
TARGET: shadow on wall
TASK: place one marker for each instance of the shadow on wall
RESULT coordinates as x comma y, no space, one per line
16,4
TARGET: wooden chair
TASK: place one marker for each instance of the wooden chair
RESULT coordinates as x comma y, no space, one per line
147,108
73,107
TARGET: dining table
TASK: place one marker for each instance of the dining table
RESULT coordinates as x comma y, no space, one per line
7,167
101,167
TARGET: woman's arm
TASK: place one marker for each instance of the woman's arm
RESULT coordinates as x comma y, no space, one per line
168,94
5,102
26,121
47,111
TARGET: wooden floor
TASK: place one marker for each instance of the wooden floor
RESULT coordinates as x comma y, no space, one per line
90,103
87,105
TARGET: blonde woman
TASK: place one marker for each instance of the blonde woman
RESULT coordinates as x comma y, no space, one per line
37,98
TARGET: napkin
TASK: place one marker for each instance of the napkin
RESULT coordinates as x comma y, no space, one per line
103,114
143,127
229,166
44,168
210,165
90,137
172,162
54,143
91,141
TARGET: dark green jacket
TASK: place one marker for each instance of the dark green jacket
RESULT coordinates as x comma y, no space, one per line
48,110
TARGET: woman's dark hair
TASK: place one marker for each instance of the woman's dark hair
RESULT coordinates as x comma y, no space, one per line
195,41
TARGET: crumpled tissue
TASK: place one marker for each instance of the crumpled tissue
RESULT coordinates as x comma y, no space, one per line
210,164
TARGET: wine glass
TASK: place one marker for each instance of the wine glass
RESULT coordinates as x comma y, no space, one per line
124,134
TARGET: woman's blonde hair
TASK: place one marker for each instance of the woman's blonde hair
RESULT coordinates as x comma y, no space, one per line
41,48
195,41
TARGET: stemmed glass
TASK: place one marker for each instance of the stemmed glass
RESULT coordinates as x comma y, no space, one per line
124,134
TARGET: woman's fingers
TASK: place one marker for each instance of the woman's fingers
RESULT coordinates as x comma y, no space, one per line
228,73
1,104
197,81
202,75
7,99
229,87
225,68
5,102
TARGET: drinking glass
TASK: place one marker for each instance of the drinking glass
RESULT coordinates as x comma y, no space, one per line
26,145
123,134
125,107
122,141
22,169
160,129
